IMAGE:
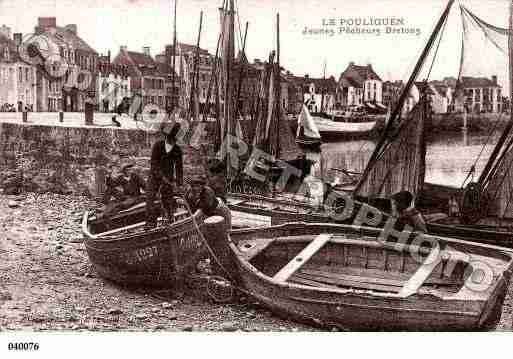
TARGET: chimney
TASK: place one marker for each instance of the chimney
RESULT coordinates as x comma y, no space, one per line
123,48
307,76
71,28
494,79
351,63
6,31
146,51
18,38
46,22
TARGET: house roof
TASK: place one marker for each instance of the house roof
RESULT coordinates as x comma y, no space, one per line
472,82
139,58
180,46
63,36
328,84
357,75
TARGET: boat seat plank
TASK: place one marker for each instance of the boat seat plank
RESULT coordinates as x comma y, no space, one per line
303,257
299,280
378,273
178,216
251,248
417,280
355,278
121,229
342,282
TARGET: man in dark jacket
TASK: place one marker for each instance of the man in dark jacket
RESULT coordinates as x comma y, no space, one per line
166,176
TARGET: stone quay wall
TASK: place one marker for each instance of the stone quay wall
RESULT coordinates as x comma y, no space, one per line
75,160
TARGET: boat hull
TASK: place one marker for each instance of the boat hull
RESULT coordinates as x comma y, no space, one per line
332,130
353,310
154,258
275,212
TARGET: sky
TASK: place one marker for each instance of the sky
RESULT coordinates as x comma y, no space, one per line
109,24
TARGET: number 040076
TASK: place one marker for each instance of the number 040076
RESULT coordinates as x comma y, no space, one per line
23,346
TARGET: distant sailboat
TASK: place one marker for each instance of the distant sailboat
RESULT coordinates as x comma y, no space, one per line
307,135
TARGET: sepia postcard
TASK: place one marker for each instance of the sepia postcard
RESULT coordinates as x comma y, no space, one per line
253,166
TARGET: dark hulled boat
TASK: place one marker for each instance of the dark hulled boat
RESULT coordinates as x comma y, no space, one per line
123,251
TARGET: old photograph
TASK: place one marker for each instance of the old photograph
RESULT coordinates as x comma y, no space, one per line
255,166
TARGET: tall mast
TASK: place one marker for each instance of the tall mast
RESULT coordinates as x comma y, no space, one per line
241,70
228,88
195,76
399,105
278,86
174,95
492,164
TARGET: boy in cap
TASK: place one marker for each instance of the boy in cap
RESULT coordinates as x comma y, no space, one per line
406,213
126,189
202,197
217,179
166,175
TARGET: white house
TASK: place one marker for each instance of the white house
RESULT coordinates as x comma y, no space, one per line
113,84
17,78
359,86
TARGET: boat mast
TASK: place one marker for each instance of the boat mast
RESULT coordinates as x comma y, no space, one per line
195,76
228,87
278,86
241,70
399,105
492,164
174,95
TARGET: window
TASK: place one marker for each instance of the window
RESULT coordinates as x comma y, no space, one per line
20,75
26,74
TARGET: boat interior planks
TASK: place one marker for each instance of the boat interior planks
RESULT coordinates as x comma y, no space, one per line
348,278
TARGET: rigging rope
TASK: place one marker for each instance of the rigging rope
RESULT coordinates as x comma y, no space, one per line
437,48
472,169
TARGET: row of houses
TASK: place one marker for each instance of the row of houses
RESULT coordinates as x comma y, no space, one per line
108,81
361,86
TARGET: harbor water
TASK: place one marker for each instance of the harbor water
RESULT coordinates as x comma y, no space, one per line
449,157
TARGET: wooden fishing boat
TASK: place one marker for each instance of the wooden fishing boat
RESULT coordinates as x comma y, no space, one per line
307,134
250,211
343,276
399,163
122,250
334,130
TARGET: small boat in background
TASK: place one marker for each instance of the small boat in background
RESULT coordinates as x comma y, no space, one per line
343,276
307,135
335,130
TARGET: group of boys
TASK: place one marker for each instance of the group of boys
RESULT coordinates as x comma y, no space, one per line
165,182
